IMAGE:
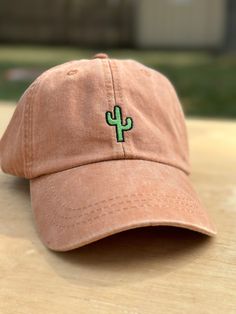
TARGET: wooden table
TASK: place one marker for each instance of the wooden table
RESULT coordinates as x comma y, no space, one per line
144,271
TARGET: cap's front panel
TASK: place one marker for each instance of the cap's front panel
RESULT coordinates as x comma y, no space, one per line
15,143
69,117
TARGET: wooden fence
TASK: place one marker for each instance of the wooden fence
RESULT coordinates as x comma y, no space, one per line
89,22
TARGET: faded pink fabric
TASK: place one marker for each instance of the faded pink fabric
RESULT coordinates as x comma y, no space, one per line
84,184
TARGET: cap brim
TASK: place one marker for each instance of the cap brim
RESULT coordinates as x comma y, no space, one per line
81,205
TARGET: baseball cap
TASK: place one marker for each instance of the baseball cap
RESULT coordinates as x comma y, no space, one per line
104,144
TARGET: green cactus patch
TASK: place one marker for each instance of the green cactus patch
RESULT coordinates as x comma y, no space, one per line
117,121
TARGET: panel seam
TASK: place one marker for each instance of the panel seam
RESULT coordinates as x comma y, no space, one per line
185,171
28,131
114,94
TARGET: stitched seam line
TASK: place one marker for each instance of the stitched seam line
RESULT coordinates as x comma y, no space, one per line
108,88
116,74
25,148
114,93
146,197
184,196
30,137
116,159
145,207
27,130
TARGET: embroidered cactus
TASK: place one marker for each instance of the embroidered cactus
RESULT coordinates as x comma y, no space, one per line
118,123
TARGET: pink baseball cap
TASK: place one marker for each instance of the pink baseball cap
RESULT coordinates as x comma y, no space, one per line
104,144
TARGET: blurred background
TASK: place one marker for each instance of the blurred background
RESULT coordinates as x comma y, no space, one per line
193,42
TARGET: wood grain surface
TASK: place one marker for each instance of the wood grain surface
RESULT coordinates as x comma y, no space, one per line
143,271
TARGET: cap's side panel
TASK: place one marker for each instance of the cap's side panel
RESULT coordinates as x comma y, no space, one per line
159,131
178,123
15,142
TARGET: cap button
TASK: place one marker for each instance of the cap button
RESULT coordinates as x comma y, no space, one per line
101,56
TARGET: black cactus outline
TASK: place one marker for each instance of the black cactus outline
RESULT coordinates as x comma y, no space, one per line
117,122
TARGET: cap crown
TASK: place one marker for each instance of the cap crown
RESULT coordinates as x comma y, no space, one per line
88,111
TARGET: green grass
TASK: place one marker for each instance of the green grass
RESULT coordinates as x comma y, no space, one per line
206,83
